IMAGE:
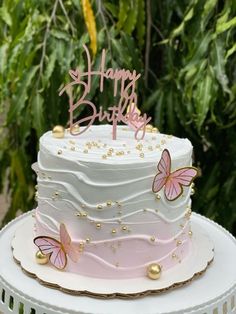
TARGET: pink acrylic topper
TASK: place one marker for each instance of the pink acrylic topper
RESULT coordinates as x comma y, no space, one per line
124,80
58,250
173,181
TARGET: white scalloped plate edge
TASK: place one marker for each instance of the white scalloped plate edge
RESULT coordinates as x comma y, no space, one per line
192,266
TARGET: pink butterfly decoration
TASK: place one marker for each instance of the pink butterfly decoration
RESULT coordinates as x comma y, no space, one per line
58,250
173,181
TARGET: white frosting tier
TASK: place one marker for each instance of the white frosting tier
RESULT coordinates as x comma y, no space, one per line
101,189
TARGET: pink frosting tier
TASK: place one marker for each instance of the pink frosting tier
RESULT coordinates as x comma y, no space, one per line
107,203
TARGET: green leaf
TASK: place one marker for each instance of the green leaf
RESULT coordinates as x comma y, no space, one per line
131,19
230,51
204,96
222,27
37,110
5,16
219,63
21,95
123,13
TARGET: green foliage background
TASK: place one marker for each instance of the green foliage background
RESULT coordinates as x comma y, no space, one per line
185,50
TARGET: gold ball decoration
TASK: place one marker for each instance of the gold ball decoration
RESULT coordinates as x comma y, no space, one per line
41,258
58,131
154,271
192,191
75,129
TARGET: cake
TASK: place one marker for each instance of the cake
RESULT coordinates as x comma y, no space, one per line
102,203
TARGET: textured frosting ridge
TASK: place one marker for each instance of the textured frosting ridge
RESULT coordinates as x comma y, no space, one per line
101,190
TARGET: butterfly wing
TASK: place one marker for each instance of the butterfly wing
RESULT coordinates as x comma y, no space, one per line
178,179
70,249
163,167
52,247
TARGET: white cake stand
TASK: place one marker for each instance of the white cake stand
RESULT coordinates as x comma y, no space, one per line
214,292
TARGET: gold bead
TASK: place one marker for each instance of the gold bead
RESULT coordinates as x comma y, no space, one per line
88,240
158,197
109,153
174,255
58,131
85,151
59,152
113,231
75,129
84,214
72,142
190,233
41,258
124,228
111,150
141,155
150,148
154,271
192,191
56,193
109,203
148,128
99,207
154,130
98,226
179,242
152,239
104,156
163,142
36,187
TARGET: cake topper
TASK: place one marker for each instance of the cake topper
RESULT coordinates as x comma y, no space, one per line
124,87
56,250
173,181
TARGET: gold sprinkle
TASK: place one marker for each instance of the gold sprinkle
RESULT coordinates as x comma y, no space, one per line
150,148
84,214
139,147
85,151
163,142
99,207
192,192
104,156
181,226
111,150
141,155
71,142
81,247
56,193
109,154
78,214
88,240
83,206
109,203
190,233
36,187
113,231
174,255
154,130
152,239
158,197
118,204
179,242
158,146
98,226
59,152
124,228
